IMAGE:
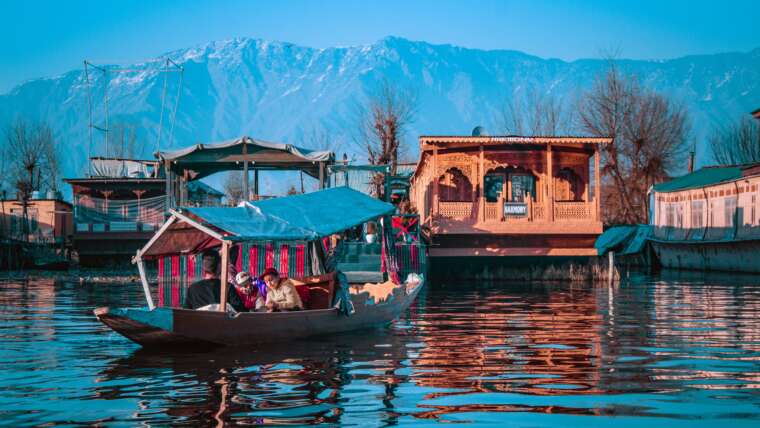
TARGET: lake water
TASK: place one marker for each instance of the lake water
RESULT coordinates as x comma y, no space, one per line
668,350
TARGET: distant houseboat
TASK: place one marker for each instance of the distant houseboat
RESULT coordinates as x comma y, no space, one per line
121,204
490,196
709,219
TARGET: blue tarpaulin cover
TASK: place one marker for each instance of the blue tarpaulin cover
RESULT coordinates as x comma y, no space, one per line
299,217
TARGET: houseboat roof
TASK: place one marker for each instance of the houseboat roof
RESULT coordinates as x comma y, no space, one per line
462,140
708,176
199,186
202,160
292,218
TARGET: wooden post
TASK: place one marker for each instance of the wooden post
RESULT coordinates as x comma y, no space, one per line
597,186
481,184
246,194
144,281
256,183
435,182
550,174
167,177
225,270
611,268
321,175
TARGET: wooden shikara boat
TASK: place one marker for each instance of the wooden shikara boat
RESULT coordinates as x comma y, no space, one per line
303,218
163,327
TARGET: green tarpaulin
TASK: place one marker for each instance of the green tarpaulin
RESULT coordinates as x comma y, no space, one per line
700,178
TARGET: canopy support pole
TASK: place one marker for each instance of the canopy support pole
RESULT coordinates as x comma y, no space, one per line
246,194
256,183
225,272
321,175
144,281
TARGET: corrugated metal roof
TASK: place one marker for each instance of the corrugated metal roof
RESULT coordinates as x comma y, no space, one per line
703,177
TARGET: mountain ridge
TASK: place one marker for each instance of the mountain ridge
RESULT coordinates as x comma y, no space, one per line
302,95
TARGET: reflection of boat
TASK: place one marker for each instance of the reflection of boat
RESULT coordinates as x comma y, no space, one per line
246,231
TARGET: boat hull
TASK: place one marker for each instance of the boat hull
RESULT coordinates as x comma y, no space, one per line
733,256
170,327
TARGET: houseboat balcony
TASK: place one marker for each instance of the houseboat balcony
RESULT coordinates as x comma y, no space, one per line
531,217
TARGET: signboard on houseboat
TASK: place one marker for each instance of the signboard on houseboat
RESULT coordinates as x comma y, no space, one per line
515,209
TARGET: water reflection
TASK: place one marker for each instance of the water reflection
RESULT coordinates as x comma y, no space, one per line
676,349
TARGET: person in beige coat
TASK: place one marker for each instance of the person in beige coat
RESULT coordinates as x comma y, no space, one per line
281,293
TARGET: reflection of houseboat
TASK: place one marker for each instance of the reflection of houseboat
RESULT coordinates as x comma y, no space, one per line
508,196
709,219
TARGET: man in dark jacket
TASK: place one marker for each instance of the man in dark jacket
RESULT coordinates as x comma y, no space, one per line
207,290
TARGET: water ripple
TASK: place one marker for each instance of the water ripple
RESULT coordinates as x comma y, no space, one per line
676,351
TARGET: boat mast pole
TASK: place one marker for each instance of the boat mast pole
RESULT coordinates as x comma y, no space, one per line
144,281
225,272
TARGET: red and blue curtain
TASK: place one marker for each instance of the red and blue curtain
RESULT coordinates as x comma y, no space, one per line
177,272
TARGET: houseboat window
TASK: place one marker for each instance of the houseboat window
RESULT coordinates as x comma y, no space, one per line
567,186
670,214
522,184
753,210
494,185
697,211
454,186
730,211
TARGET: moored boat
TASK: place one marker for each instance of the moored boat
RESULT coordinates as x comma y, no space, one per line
289,233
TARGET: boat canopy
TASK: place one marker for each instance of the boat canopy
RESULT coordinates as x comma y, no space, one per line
202,160
304,217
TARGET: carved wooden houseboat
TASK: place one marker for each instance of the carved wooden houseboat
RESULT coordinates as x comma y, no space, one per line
494,196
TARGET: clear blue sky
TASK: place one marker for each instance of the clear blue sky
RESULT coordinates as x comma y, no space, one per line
43,38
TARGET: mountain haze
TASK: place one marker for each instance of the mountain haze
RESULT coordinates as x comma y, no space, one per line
306,96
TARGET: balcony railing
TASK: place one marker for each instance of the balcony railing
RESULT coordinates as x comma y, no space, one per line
457,210
537,212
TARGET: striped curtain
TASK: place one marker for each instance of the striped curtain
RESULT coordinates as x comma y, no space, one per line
177,272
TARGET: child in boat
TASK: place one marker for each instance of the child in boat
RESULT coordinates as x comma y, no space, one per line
281,293
250,293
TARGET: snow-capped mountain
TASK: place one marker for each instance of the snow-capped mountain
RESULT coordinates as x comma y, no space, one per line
305,96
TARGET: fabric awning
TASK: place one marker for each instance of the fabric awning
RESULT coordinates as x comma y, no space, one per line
308,216
202,160
293,218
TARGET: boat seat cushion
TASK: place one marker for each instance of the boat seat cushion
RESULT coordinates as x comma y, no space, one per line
321,290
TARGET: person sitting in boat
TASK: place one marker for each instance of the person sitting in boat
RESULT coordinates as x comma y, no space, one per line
207,291
250,293
281,293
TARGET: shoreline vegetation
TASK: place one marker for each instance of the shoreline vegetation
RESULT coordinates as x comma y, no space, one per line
593,272
81,275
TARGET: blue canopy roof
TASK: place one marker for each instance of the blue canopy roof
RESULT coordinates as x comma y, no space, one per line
300,217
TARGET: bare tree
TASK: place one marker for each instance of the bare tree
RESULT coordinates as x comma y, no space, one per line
739,143
648,131
32,157
531,113
383,122
233,188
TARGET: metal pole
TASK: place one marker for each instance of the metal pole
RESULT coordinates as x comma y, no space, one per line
163,99
89,125
105,102
176,102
